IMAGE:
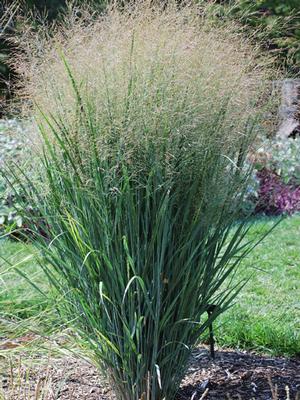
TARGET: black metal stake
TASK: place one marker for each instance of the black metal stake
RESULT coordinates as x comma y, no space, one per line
210,310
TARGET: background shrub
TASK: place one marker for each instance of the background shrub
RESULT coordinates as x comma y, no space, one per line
14,18
281,156
275,185
275,24
13,142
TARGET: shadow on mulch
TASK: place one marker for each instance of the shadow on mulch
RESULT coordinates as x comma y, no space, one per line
240,375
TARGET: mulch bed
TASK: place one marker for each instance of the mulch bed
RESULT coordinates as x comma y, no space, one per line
232,375
240,375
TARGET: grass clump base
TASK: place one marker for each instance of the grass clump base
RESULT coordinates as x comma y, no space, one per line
145,119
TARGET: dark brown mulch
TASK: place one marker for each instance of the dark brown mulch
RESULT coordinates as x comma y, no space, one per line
240,375
232,375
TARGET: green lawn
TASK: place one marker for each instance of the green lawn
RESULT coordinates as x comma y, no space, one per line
21,306
266,315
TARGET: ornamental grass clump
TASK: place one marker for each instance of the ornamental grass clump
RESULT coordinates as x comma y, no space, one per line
145,118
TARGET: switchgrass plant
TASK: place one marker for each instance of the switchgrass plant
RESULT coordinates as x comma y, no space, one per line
145,118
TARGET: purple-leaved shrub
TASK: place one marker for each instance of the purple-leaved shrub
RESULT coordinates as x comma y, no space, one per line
276,197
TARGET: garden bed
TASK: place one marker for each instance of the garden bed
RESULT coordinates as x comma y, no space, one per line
232,375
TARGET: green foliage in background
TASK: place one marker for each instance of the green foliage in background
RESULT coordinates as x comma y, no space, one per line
49,8
11,148
6,73
281,156
52,9
36,11
274,23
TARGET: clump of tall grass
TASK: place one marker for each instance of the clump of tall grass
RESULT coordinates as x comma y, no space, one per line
145,119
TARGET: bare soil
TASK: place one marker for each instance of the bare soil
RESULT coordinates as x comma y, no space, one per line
232,375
